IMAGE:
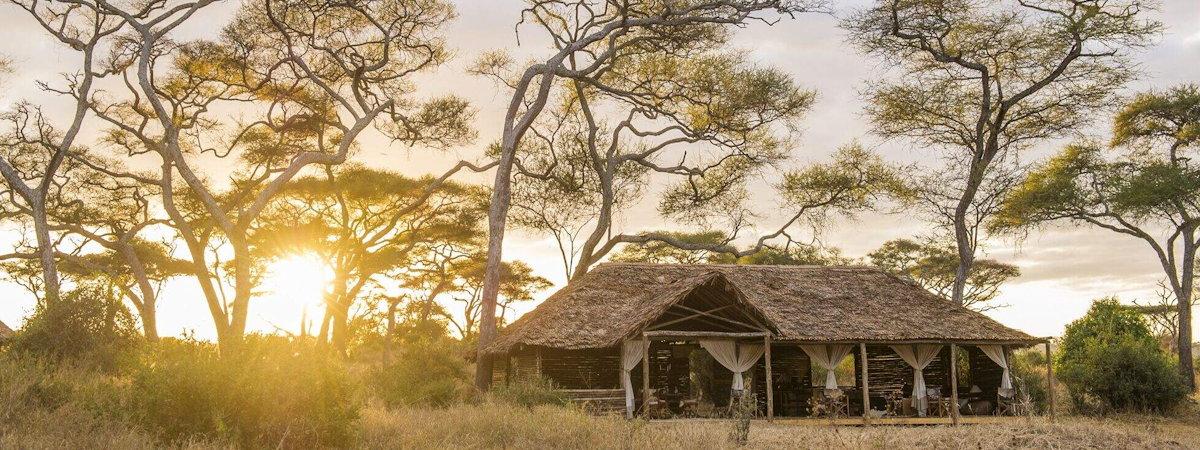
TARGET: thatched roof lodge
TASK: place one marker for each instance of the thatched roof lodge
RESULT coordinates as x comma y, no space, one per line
779,324
5,331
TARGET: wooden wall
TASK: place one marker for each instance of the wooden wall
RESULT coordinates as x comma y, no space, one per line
790,367
569,369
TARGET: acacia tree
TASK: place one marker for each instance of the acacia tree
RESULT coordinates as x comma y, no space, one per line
591,39
984,82
706,125
518,283
309,79
933,265
1162,314
855,181
1145,186
32,149
108,220
366,224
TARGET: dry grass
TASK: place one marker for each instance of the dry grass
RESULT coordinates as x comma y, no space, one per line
505,426
498,426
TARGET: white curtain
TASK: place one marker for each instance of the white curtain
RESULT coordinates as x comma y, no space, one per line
996,354
631,356
737,358
918,356
828,357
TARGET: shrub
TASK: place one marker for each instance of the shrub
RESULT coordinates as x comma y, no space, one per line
88,326
425,373
744,410
529,393
271,392
1029,375
1110,360
31,388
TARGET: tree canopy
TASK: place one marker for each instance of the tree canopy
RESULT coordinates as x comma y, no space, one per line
933,265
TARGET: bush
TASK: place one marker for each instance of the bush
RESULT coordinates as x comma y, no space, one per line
28,384
1110,360
1029,375
88,326
529,393
271,392
423,374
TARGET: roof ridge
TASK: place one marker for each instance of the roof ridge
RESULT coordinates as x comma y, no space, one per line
777,266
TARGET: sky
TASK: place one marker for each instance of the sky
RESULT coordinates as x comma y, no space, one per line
1063,268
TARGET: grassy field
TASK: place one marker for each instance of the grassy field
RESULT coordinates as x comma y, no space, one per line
505,426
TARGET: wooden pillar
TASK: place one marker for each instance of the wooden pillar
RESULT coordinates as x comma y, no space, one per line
866,386
537,362
770,382
646,377
1049,381
954,383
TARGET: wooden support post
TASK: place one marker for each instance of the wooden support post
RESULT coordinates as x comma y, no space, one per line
1049,381
866,385
954,383
770,381
537,362
646,377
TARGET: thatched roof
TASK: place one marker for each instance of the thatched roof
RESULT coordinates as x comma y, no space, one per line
5,331
801,303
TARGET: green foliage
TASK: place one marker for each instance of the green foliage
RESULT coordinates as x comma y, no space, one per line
744,410
934,265
797,255
88,325
662,252
1029,376
424,373
271,392
529,393
1109,359
30,384
853,182
1052,190
1173,116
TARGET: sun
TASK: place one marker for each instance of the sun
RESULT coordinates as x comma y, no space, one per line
293,291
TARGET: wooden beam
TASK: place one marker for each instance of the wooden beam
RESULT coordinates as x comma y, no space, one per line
770,381
694,315
702,334
714,316
1050,380
954,383
866,385
721,325
646,377
908,341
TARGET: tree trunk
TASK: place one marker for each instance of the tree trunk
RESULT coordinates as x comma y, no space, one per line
46,252
242,292
148,309
1184,305
339,332
149,321
501,199
962,236
497,218
1186,363
323,330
